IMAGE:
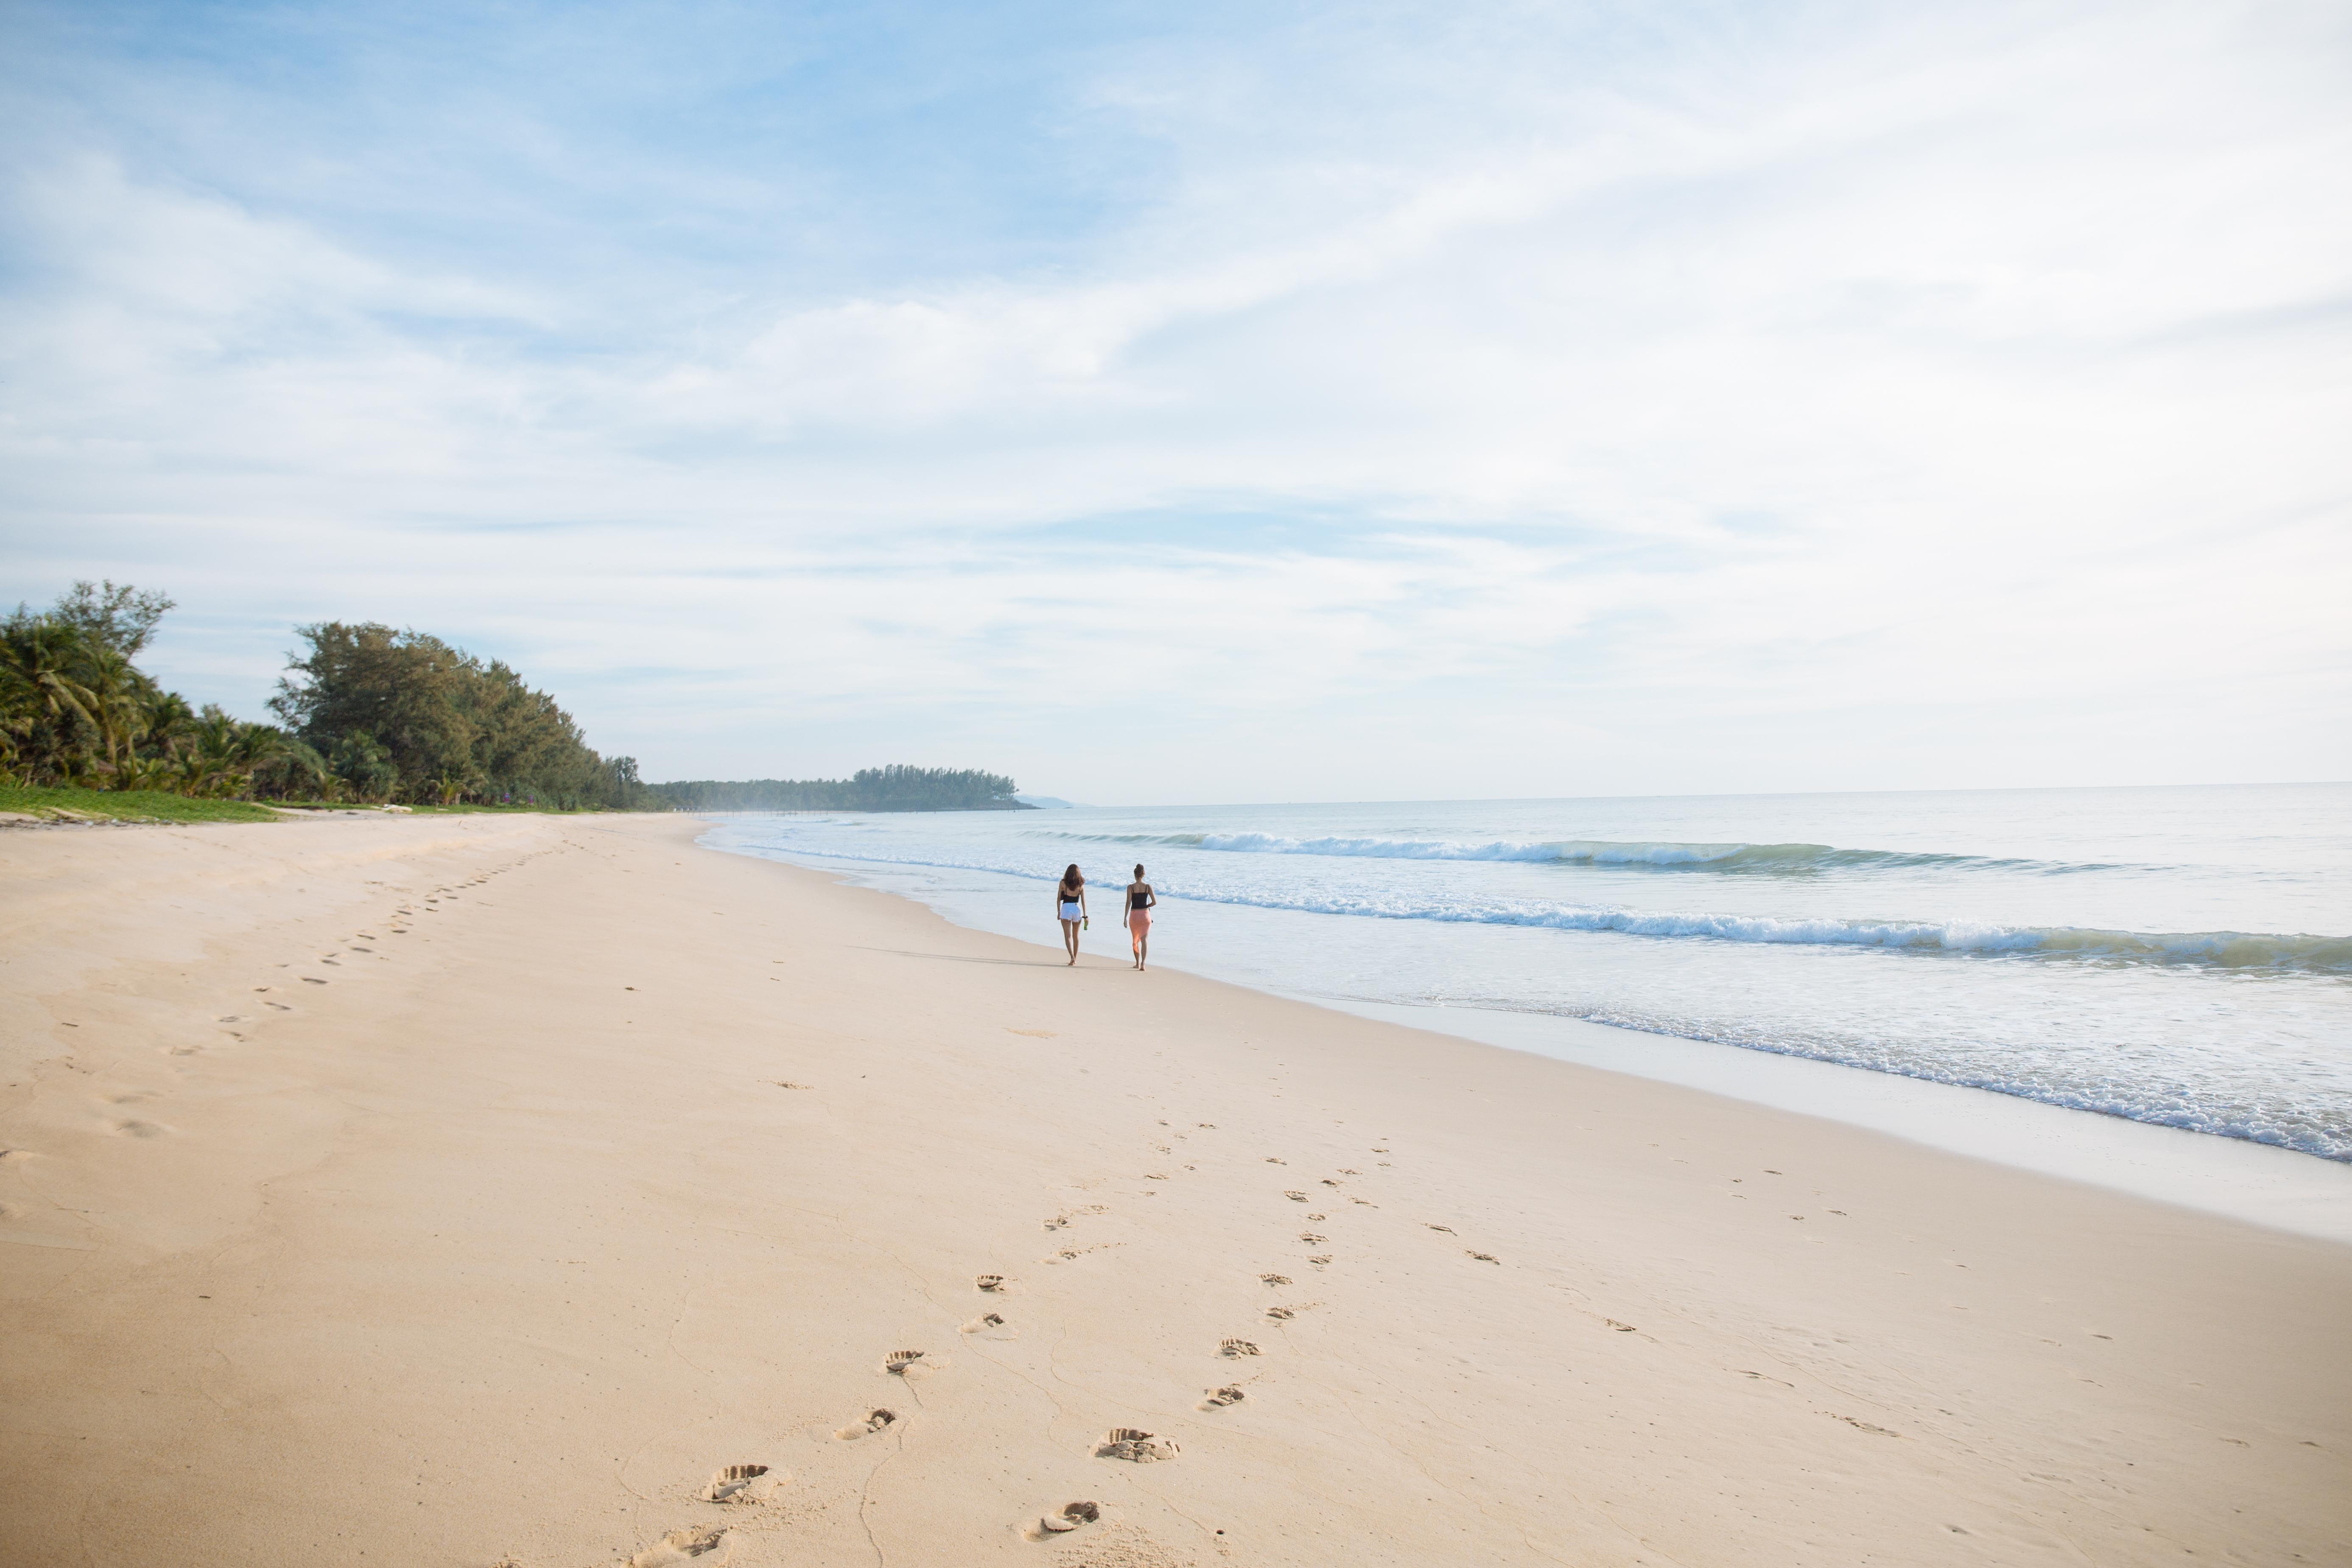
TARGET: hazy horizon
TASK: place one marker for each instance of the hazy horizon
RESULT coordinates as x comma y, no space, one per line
1430,403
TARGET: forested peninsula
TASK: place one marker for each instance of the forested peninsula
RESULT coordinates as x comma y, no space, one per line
895,788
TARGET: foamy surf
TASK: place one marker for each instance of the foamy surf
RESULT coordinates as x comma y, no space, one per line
1792,858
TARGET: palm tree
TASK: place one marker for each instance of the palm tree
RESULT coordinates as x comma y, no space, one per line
209,759
39,660
169,718
144,772
119,701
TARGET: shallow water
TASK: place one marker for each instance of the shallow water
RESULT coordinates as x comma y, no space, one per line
2181,957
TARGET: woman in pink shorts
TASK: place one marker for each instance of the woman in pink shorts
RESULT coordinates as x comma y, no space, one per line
1140,899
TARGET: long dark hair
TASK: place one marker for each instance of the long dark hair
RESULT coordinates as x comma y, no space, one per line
1074,878
1138,873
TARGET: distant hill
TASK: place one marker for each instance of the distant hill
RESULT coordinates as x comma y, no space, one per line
1046,802
895,788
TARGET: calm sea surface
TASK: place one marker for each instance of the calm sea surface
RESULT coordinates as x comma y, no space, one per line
2176,956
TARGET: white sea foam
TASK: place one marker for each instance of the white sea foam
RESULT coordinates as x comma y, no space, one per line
1666,856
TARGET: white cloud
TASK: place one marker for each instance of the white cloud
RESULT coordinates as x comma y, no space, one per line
1700,418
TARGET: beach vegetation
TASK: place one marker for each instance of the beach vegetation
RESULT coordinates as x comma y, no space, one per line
402,715
71,804
368,716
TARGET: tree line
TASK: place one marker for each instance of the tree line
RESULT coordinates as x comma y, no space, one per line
895,788
366,714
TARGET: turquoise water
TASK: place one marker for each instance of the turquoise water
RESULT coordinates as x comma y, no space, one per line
2181,957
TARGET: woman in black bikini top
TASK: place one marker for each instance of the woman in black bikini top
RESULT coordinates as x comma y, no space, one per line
1139,901
1070,906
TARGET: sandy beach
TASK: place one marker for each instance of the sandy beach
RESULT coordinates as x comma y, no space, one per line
481,1190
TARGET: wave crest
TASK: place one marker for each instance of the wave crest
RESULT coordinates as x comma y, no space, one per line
1638,855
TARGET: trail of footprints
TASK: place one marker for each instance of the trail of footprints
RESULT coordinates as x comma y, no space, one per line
142,1128
750,1483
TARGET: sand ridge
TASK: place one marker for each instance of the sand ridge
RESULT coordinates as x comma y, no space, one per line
551,1192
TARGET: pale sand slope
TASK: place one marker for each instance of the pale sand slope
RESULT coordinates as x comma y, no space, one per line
475,1251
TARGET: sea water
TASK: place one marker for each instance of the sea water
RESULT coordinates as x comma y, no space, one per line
2180,957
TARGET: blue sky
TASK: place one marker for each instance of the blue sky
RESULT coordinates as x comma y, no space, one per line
1255,402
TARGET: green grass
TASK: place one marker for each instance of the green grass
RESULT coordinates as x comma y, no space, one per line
129,806
462,809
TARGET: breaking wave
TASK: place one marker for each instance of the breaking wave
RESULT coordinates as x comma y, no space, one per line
1783,858
2216,949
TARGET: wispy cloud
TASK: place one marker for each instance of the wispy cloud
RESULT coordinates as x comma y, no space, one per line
1608,398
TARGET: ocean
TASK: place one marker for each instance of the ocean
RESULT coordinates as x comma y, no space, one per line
2176,956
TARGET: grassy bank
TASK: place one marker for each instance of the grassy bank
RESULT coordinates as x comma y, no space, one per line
126,806
459,810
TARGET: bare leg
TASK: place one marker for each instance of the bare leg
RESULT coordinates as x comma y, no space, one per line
1070,939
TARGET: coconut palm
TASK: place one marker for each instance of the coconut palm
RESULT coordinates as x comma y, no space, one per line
119,698
39,661
169,721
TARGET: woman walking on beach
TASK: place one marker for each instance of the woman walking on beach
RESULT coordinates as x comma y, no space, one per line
1140,899
1070,903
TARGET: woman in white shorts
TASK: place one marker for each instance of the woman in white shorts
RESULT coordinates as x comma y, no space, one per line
1070,904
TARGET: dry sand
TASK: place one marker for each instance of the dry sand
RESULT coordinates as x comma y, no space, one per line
447,1191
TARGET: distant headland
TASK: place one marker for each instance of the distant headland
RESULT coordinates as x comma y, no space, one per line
894,788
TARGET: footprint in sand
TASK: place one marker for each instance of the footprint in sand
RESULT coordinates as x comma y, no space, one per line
1295,1197
1320,1260
1219,1398
313,980
1317,1218
678,1546
1280,1315
732,1482
993,1283
1274,1278
1485,1258
1272,1160
872,1422
1232,1348
1311,1239
900,1362
138,1129
1135,1445
988,1323
1070,1516
1446,1229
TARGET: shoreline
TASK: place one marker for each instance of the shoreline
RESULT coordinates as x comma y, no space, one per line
571,1167
2234,1178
